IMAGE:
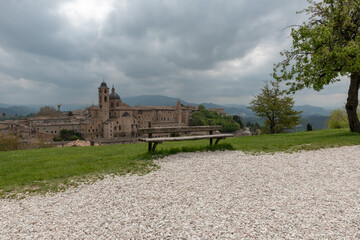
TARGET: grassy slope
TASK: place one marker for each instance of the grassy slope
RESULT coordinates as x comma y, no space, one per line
296,141
47,169
42,170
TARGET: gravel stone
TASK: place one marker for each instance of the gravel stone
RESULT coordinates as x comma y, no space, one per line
211,195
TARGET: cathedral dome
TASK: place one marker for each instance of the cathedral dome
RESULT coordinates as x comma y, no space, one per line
103,85
114,95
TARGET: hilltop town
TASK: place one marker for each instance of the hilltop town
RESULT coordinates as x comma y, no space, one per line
110,121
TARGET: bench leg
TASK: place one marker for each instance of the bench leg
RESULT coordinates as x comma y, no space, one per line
150,147
211,141
217,141
154,146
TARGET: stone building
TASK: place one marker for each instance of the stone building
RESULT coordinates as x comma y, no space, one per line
113,118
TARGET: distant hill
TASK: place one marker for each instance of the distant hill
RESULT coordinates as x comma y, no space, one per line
317,122
17,110
2,105
34,108
316,116
153,100
309,110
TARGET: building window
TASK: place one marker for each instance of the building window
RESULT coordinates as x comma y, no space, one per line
105,99
115,128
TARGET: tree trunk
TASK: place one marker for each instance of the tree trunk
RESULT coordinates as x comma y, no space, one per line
352,102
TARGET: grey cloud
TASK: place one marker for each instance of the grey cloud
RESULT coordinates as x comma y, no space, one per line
198,34
143,47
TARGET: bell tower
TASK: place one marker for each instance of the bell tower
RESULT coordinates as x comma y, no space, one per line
178,113
104,99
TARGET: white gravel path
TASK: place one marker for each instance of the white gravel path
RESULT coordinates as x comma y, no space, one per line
224,195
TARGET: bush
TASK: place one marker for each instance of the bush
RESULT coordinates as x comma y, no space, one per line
47,111
338,119
8,143
74,137
239,120
69,135
309,127
202,117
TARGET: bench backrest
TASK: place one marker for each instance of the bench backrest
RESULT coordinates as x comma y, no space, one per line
178,129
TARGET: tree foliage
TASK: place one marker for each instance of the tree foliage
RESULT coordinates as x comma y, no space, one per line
239,120
339,119
8,142
68,135
203,116
47,111
275,108
253,126
324,48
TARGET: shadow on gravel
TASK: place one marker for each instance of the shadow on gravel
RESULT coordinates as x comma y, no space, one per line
175,150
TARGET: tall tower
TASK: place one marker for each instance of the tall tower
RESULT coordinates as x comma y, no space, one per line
178,113
104,100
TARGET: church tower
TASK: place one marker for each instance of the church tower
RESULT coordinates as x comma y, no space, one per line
178,113
104,100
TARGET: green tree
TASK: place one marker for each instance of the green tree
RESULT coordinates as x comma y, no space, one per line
8,142
275,108
324,48
69,135
239,120
201,107
203,116
338,119
47,111
253,126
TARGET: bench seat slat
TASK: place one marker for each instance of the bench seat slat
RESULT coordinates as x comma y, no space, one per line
179,129
185,138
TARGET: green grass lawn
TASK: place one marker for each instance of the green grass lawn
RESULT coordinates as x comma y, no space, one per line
53,169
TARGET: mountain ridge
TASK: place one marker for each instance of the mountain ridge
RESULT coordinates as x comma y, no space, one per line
160,100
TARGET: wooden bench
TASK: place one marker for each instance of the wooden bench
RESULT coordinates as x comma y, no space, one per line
153,142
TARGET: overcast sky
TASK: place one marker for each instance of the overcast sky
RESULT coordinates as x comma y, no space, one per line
218,51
